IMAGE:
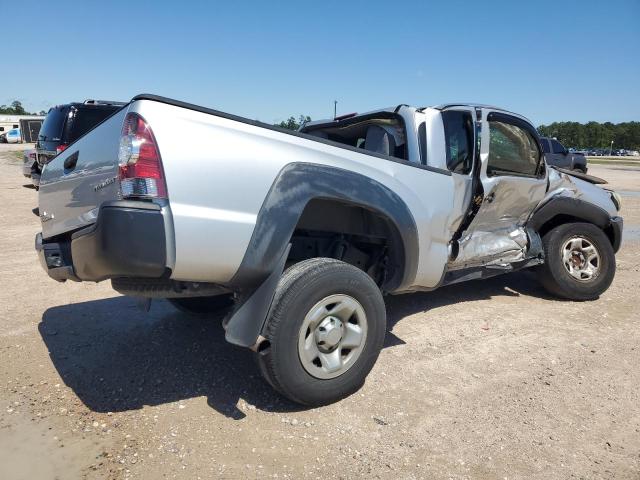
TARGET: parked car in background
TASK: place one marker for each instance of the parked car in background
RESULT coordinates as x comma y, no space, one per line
557,155
309,229
64,124
12,136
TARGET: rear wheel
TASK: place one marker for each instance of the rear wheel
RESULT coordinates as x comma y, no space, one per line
325,331
203,306
579,261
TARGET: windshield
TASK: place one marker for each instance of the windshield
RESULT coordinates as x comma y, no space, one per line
52,126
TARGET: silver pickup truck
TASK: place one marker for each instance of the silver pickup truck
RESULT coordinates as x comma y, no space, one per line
305,232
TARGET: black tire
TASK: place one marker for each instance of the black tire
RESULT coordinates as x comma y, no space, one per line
203,306
301,287
555,277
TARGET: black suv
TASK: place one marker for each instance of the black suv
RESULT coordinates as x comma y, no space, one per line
64,124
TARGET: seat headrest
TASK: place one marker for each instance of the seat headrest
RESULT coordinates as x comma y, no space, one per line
378,140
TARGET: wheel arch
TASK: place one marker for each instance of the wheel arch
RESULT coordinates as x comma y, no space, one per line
301,185
343,227
562,210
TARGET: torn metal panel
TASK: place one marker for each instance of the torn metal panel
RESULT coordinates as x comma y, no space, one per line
563,184
500,246
497,233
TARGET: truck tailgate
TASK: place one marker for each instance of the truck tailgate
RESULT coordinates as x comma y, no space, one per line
77,181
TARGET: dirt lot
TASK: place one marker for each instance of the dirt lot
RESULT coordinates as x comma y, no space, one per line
489,379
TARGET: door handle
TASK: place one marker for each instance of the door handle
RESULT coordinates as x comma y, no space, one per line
71,161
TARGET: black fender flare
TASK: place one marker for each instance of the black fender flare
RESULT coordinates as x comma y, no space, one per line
295,185
574,207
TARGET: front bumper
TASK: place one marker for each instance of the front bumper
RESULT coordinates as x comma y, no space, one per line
127,240
616,233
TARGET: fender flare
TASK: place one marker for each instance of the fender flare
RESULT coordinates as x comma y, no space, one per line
297,184
293,188
579,209
572,207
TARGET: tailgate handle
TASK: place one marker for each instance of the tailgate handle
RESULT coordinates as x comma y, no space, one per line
71,161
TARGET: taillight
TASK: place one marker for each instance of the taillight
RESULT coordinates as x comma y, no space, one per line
61,148
141,174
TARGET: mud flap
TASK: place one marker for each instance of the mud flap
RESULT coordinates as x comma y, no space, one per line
246,322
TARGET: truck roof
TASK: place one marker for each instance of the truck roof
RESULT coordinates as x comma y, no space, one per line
397,108
445,106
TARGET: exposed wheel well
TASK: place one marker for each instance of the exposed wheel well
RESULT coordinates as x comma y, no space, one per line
563,218
355,234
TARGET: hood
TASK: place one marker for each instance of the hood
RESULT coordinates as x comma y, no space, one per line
572,186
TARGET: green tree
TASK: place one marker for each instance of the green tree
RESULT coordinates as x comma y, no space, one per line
18,108
292,124
594,134
15,108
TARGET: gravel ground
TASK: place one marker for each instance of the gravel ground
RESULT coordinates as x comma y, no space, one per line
491,379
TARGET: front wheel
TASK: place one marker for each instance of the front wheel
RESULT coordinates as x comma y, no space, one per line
579,262
325,331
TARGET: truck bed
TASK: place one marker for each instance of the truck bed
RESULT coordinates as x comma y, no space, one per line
218,179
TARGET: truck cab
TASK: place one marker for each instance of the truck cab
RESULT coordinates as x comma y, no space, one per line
494,159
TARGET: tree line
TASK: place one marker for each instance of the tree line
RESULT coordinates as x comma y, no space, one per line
571,134
292,123
16,108
594,134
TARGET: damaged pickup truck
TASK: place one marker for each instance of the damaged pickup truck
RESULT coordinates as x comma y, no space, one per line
305,232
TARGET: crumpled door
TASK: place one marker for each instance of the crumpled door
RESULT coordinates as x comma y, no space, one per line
514,183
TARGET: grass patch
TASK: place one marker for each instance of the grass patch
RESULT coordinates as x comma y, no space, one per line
610,163
615,159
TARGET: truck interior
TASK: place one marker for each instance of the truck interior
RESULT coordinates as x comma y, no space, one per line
383,133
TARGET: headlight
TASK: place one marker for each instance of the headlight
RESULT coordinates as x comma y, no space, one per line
616,199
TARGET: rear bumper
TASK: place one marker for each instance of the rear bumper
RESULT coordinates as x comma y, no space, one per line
127,240
27,168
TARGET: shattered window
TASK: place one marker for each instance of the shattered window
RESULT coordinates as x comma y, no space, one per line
512,150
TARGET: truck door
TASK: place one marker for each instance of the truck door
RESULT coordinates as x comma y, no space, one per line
513,182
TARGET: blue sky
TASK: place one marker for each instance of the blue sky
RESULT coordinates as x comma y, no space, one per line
548,60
